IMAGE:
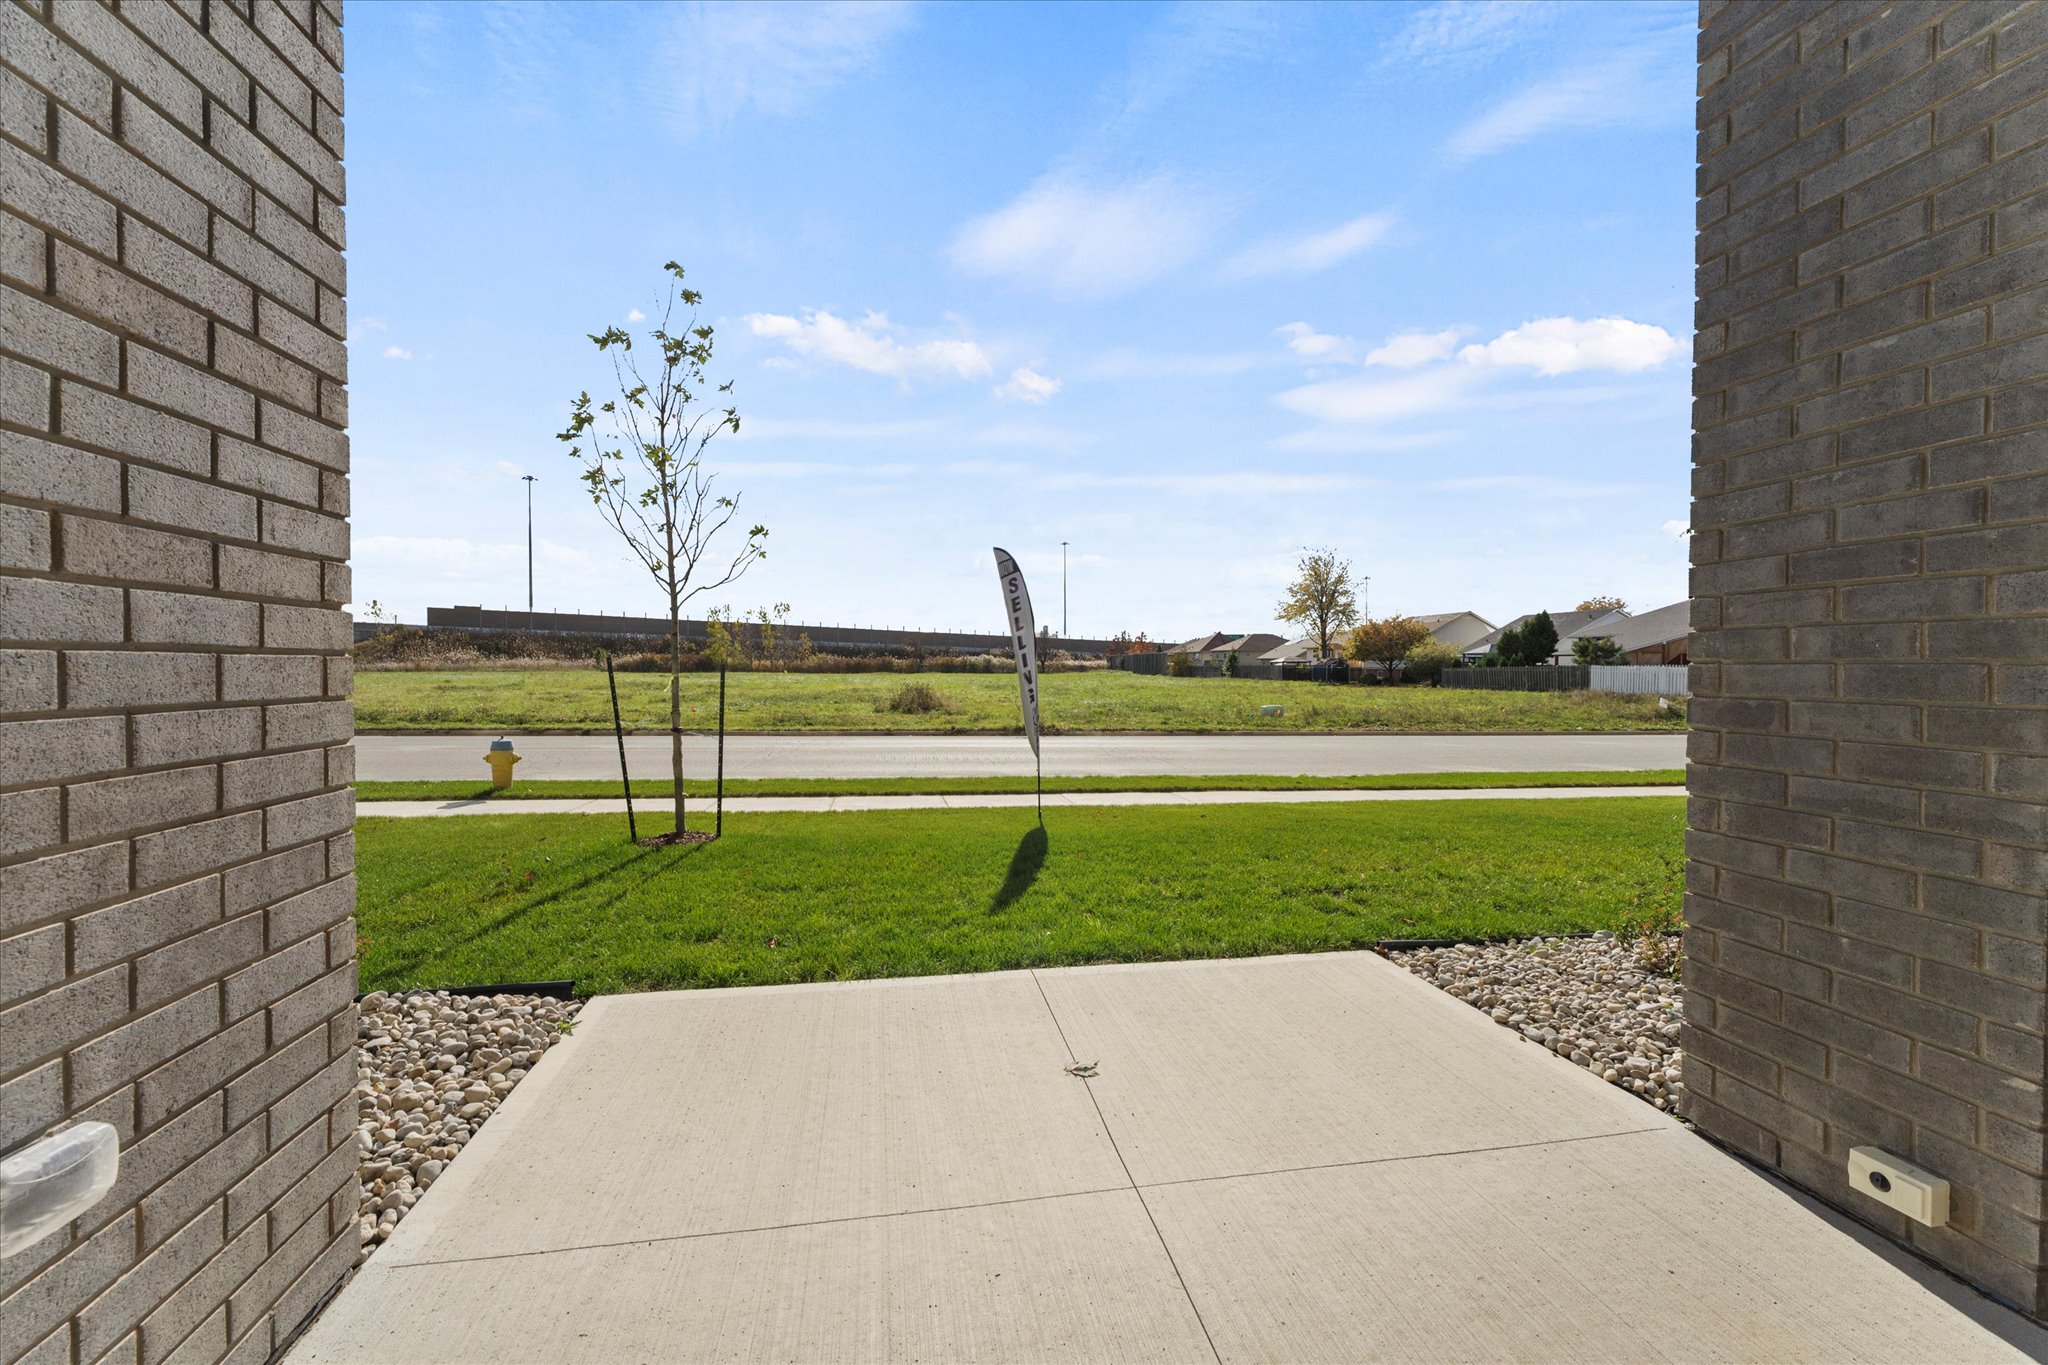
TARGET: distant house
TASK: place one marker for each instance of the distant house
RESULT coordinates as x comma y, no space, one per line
1250,648
1568,623
1651,637
1458,629
1299,651
1215,648
1202,647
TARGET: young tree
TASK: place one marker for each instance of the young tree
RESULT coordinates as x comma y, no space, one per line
1602,604
641,456
1230,665
1539,639
1597,649
1386,642
1321,596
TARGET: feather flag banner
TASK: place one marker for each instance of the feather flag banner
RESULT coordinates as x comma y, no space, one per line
1023,639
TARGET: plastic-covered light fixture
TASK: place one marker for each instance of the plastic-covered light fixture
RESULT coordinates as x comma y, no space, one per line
48,1183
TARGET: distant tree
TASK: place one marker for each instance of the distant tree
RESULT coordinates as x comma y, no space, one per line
1427,661
1180,664
1506,651
1602,604
1539,639
1321,596
1386,642
1230,665
1597,649
1126,643
641,455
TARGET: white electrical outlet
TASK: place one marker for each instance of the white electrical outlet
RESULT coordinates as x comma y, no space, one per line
1897,1183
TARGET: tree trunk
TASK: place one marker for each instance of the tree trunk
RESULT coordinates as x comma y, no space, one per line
675,704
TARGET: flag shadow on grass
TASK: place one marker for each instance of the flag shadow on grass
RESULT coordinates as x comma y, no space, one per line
1025,864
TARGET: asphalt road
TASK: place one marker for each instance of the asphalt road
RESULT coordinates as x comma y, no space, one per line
443,757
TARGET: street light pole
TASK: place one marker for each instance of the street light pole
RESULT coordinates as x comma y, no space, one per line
1063,589
1365,595
529,552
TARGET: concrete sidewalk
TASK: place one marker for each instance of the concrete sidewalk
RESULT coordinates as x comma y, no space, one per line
1299,1158
740,805
433,757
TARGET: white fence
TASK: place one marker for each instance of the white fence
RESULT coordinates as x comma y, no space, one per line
1665,680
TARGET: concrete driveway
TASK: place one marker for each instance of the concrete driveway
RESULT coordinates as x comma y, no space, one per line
412,758
1296,1158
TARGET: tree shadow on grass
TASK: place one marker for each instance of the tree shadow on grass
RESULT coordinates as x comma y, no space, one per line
418,959
1025,864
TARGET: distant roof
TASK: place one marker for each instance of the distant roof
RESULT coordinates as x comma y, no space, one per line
1257,642
1303,648
1200,644
1650,627
1438,620
1568,623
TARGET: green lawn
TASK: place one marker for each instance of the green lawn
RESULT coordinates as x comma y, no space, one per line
481,899
658,790
1075,703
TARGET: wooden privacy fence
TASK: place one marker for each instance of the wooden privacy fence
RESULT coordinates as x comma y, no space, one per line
1565,678
1668,680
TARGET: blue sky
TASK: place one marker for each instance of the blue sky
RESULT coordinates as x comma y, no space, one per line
1188,286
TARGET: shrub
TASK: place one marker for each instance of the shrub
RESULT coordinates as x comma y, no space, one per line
1596,650
1427,661
916,699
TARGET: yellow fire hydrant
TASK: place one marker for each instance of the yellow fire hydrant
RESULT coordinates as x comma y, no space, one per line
501,758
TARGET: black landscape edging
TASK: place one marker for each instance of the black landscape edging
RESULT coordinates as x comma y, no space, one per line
552,990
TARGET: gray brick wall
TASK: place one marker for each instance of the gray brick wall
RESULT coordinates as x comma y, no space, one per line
1869,802
176,888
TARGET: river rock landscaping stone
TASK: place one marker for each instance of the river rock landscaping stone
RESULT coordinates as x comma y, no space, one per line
430,1068
1595,1001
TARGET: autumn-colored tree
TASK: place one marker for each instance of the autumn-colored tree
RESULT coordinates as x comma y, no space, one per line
1602,604
1386,642
1321,596
1126,643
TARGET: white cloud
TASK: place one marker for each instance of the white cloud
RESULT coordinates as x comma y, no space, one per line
1440,380
635,315
397,353
1626,88
1192,43
1363,401
1305,254
1410,349
871,346
1028,386
1675,529
772,58
1081,239
1458,31
1306,342
510,470
1552,346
